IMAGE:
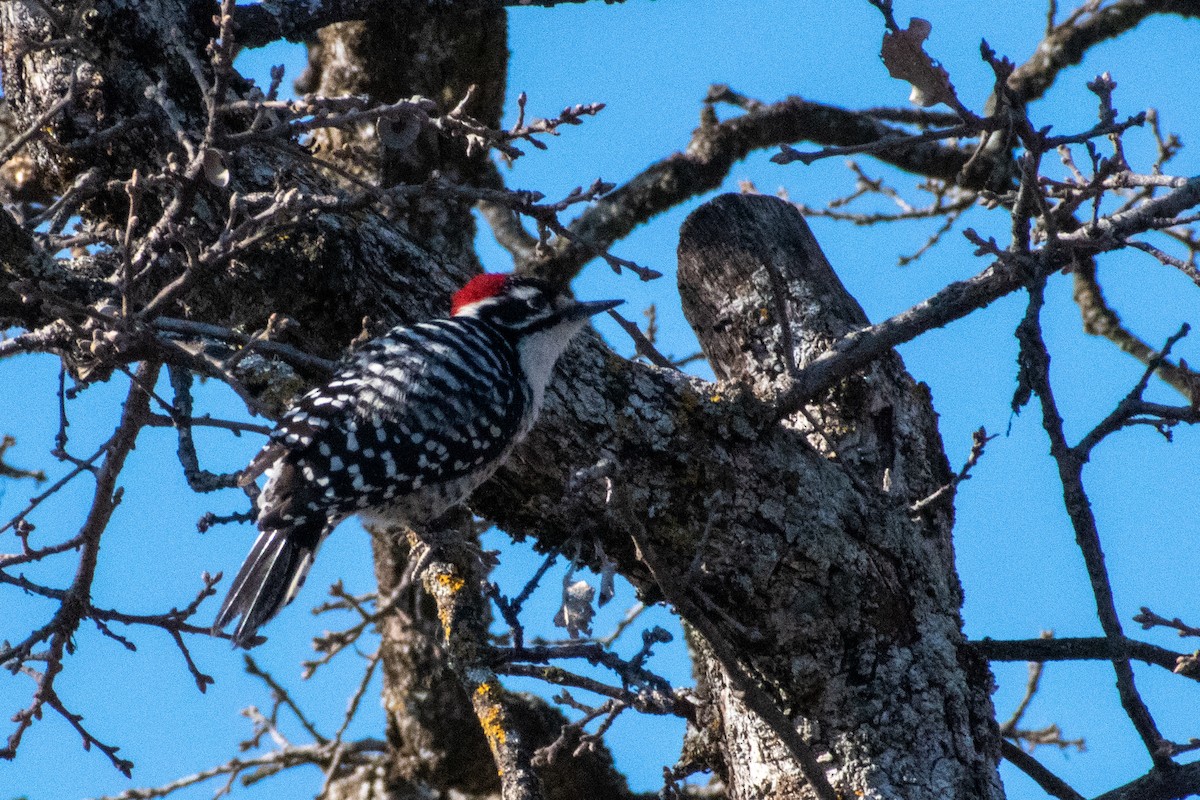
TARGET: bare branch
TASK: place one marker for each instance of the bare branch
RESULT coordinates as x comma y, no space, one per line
1051,783
1148,619
40,126
1066,43
716,146
9,471
200,480
76,600
979,440
1100,319
281,695
642,345
1035,365
1133,410
1160,784
320,755
1078,649
456,589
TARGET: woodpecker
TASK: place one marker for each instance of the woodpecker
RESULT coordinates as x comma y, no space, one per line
409,426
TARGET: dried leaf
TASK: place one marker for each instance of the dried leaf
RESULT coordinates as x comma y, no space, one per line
576,611
215,170
400,133
906,59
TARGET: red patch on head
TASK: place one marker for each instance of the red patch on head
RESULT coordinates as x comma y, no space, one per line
481,287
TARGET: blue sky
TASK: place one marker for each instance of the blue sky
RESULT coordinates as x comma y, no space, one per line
651,63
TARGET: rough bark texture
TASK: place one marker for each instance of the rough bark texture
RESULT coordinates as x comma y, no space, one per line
431,725
810,564
377,267
793,543
864,602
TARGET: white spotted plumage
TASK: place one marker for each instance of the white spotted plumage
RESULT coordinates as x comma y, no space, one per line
408,427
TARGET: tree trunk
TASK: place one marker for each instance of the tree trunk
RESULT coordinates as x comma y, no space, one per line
851,614
788,545
804,558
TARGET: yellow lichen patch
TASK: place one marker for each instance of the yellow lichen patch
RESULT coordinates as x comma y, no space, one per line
716,397
491,715
446,585
443,612
450,582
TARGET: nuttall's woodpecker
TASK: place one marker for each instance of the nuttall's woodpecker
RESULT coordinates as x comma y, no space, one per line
409,426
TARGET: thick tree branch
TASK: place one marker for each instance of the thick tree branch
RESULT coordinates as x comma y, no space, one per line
1169,783
652,427
716,146
1003,277
1066,44
259,25
755,696
1095,648
452,579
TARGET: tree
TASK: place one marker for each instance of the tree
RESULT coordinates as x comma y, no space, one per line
167,216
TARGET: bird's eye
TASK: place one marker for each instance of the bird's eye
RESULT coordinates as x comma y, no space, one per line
538,302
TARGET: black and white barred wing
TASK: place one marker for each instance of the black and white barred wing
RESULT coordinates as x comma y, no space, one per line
414,422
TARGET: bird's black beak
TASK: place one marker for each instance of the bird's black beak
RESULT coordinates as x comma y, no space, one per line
590,308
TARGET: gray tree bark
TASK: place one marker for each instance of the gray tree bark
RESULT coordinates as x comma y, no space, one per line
853,611
804,558
785,541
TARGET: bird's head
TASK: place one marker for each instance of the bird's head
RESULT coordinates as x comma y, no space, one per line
524,305
538,319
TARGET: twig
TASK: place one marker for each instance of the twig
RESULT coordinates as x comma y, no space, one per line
1096,648
630,617
39,125
653,688
510,610
979,440
1148,619
642,346
1008,727
209,519
545,215
1099,319
1035,364
281,695
311,365
75,601
561,677
9,471
787,154
200,480
1050,783
285,757
1134,410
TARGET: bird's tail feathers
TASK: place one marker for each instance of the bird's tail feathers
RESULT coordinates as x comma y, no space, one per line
269,579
